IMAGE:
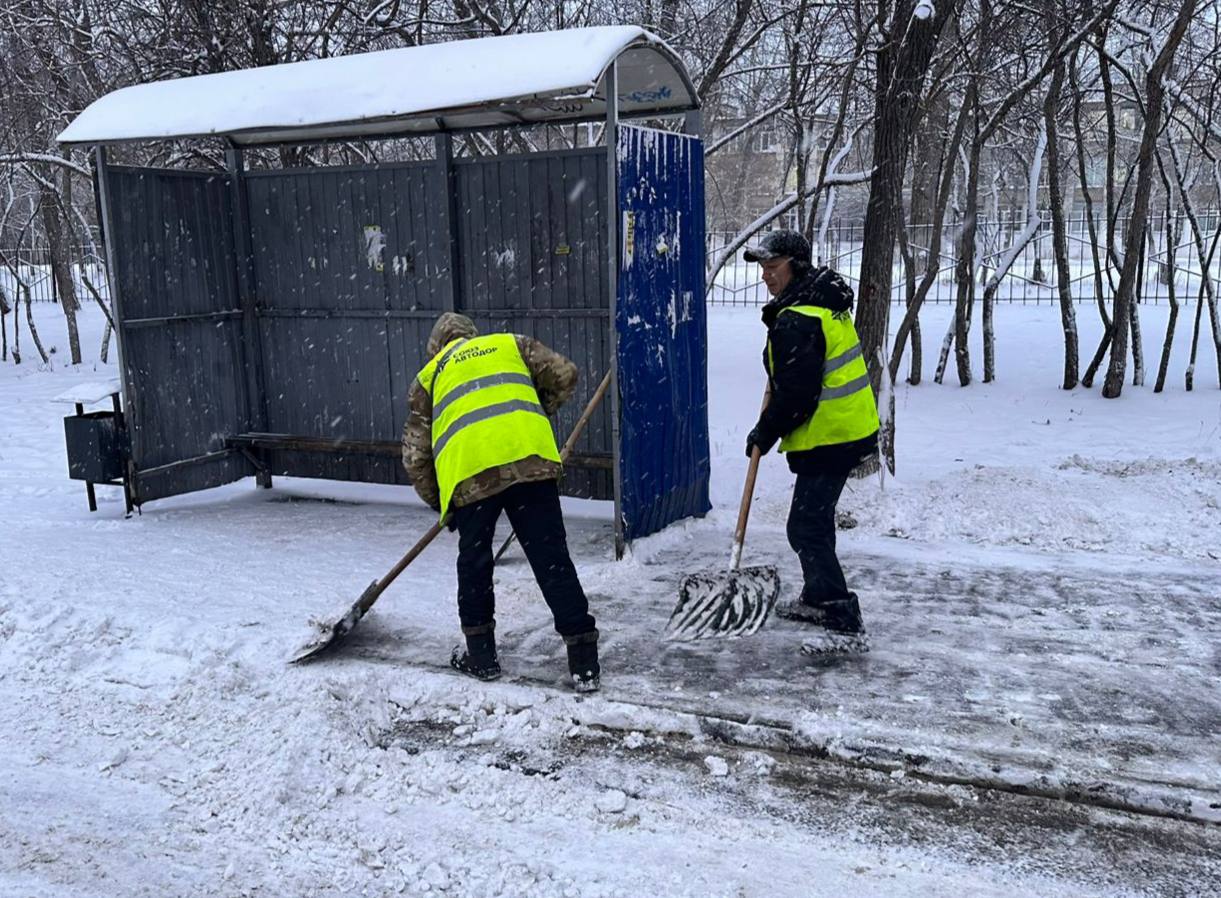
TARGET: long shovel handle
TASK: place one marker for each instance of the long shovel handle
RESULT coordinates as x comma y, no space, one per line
569,443
748,493
590,407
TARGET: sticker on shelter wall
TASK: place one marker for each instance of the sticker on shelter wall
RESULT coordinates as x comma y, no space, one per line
563,250
629,238
375,247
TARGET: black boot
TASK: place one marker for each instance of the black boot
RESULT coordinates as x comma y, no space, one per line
479,659
842,631
583,661
801,612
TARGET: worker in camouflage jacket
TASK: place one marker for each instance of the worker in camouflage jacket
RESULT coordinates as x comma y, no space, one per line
477,442
822,412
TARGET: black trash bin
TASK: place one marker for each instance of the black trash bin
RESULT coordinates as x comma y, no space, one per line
95,451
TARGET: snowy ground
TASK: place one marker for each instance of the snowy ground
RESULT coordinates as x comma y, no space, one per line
1041,581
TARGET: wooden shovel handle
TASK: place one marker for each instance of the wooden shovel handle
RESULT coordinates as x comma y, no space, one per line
748,493
372,593
590,407
569,443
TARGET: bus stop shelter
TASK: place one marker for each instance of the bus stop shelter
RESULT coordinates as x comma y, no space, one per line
270,322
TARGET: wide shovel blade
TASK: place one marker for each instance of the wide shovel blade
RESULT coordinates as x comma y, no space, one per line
328,631
724,603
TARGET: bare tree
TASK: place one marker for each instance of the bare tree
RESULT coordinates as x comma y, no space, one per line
1055,199
1033,222
902,62
1112,387
1172,242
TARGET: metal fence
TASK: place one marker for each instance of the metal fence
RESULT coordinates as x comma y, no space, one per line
1031,280
29,268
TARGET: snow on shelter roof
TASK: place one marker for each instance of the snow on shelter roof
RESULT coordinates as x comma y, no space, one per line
549,76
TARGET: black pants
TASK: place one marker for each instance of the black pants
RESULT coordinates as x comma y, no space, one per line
811,531
534,511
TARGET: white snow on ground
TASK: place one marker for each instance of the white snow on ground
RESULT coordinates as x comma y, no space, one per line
155,744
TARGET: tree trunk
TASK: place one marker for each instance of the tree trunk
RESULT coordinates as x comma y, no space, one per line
932,268
1206,293
1172,239
1112,387
1055,196
1206,283
965,271
909,273
901,70
59,245
1138,345
16,329
926,175
1087,379
989,328
943,359
29,318
104,354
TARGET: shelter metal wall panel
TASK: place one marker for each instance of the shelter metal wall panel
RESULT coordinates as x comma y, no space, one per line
351,268
532,240
662,330
180,327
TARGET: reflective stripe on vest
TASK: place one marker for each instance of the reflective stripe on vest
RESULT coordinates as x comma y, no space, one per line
485,410
846,410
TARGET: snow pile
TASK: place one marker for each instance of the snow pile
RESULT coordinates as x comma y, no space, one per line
1057,508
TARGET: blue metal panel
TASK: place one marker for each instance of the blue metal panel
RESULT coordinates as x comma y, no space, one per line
662,330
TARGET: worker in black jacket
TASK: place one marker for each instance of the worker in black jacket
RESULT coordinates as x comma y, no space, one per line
822,412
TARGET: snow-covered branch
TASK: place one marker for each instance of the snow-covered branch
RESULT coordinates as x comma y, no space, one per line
775,212
743,128
1193,108
1033,220
27,158
1044,70
839,179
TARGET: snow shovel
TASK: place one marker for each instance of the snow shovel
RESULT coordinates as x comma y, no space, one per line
734,603
330,631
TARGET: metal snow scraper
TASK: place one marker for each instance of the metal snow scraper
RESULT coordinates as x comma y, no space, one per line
734,603
331,630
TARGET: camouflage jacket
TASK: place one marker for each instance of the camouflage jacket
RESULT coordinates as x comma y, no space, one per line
555,379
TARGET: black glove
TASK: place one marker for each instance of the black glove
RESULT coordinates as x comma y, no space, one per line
451,523
753,439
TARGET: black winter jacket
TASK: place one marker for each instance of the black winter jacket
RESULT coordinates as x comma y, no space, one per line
800,350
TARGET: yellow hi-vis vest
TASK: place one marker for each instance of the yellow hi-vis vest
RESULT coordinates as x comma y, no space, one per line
846,411
485,410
